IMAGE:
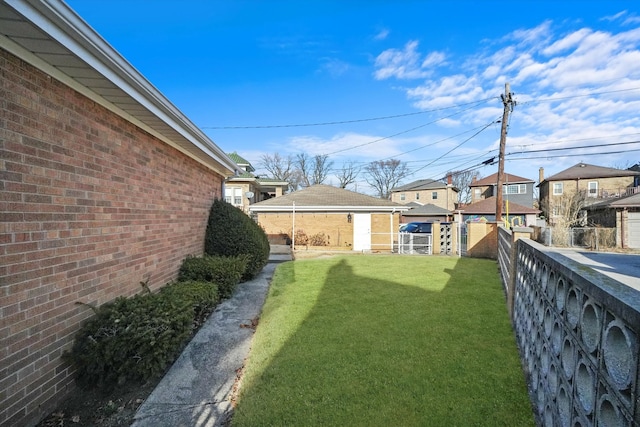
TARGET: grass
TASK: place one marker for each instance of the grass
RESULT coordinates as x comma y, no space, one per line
384,340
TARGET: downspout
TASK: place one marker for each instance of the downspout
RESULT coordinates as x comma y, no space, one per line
391,228
293,227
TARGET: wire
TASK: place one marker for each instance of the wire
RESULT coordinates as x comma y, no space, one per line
576,155
457,146
576,96
395,116
572,148
400,133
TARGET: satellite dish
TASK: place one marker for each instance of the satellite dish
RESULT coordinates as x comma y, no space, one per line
248,194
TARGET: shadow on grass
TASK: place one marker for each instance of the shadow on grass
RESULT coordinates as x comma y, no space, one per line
383,352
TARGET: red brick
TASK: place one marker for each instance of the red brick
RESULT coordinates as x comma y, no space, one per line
91,205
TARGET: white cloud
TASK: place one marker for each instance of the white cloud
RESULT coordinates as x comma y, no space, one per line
406,63
570,85
334,66
382,34
614,17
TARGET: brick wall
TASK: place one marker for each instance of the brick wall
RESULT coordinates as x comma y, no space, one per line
482,240
91,205
333,224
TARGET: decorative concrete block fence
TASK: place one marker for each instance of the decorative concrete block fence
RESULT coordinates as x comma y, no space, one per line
577,331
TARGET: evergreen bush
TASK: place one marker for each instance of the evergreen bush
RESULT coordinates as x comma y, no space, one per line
203,297
224,272
231,233
131,339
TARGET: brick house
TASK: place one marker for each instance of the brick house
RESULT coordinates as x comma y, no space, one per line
104,184
515,188
427,191
245,188
347,219
485,211
594,183
623,214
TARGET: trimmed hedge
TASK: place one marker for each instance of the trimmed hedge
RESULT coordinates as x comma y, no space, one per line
225,272
203,296
231,233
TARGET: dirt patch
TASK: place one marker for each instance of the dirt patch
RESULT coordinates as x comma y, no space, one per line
92,407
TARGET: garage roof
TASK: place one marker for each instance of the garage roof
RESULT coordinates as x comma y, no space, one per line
322,197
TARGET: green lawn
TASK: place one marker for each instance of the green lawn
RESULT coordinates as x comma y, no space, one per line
384,341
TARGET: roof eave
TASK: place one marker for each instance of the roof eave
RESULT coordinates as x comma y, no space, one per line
59,22
290,208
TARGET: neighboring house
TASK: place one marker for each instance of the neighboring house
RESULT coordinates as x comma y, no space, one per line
426,213
427,191
344,218
593,183
246,188
623,214
105,184
513,213
514,188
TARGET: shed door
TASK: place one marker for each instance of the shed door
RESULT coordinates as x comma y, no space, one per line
634,229
362,232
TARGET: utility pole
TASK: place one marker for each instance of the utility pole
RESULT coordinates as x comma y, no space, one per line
509,103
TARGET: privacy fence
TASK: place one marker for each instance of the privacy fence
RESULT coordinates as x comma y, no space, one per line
577,331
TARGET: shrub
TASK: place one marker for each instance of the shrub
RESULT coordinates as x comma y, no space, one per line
131,339
231,233
225,272
203,297
319,239
301,238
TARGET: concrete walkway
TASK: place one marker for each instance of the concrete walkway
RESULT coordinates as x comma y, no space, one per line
198,388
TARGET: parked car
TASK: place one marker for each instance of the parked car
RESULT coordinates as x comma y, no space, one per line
416,227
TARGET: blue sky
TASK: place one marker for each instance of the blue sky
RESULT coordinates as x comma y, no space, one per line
440,66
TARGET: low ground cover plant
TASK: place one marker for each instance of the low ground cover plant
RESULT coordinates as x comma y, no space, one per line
136,338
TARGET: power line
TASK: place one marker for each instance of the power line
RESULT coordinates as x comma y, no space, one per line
559,98
457,146
577,155
341,122
399,133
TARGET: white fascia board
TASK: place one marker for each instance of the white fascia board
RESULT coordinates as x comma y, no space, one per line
65,26
290,208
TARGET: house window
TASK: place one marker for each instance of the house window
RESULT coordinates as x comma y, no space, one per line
402,196
514,189
434,195
557,188
477,193
417,196
233,195
593,189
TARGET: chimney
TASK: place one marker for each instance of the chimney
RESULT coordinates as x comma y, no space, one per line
473,179
449,179
540,175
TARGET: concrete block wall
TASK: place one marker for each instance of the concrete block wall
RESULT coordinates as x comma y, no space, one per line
482,240
91,205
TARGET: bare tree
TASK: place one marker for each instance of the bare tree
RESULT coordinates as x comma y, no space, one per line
280,168
303,165
313,170
348,174
383,175
461,180
321,167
